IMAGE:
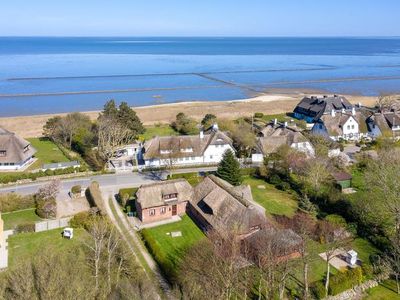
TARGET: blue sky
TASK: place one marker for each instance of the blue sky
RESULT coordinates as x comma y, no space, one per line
199,18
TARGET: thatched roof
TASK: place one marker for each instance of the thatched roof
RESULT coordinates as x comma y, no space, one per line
17,149
151,195
334,124
274,136
158,146
226,207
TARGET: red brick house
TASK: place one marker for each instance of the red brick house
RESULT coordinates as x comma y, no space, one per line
162,200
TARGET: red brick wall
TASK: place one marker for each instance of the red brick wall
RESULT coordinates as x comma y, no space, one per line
145,217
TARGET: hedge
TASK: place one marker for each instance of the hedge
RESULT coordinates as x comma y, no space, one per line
343,281
11,202
76,189
93,195
27,227
80,220
7,178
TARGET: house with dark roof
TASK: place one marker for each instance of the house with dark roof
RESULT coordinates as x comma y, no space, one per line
205,148
217,205
277,134
384,124
162,200
343,125
15,152
311,109
342,179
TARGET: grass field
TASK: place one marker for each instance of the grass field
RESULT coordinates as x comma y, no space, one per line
24,246
168,250
273,200
161,130
12,219
47,152
386,290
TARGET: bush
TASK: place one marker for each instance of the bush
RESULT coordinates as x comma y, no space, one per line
318,290
46,208
11,202
248,171
258,115
76,189
80,220
345,280
27,227
274,179
93,195
283,186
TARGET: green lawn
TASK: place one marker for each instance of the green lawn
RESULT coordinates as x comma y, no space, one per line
168,250
159,130
12,219
25,245
47,152
385,291
273,200
192,178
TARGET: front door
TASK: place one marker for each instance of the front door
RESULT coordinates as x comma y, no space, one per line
174,210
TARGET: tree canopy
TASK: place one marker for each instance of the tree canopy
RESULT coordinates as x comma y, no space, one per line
229,169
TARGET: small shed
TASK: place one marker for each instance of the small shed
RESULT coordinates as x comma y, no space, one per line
343,179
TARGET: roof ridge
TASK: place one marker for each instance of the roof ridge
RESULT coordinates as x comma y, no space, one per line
229,189
164,182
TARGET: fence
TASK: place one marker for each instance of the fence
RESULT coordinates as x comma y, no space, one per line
51,224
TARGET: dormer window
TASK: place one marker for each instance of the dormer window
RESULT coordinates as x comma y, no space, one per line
3,153
172,196
165,151
187,150
26,149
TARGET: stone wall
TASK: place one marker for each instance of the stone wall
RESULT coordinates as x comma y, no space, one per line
354,293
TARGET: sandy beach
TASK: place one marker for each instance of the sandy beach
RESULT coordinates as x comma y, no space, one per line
31,126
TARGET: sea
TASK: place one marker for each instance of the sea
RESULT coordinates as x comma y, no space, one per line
40,75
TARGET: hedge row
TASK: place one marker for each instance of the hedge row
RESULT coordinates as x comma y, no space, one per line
26,227
93,195
166,265
7,178
12,202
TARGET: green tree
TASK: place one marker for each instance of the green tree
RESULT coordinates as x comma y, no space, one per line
110,109
229,169
128,116
185,125
208,120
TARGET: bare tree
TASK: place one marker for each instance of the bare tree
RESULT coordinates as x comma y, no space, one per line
316,174
333,238
305,226
388,102
50,190
111,135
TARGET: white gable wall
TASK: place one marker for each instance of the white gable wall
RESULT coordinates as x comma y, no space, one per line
305,147
213,153
350,129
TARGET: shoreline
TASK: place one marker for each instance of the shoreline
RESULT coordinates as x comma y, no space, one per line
267,103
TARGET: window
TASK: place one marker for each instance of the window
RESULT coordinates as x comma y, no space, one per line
170,196
211,157
192,158
348,127
163,210
152,212
352,126
26,149
3,153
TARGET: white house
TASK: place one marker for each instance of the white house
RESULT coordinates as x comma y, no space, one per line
15,152
276,134
205,148
342,126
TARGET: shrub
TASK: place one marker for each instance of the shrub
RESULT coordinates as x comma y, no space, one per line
318,290
345,280
11,202
283,186
46,208
76,189
27,227
80,220
274,179
93,195
258,115
248,171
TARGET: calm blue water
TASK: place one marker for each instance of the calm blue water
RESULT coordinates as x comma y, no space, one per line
50,75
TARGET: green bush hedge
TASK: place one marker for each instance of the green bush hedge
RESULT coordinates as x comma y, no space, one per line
345,280
80,220
94,197
76,189
11,202
165,264
7,178
318,289
27,227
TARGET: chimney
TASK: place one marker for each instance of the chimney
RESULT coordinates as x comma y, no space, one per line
285,124
353,111
201,134
275,122
343,111
359,104
215,127
333,113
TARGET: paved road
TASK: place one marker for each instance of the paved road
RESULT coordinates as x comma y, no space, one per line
117,181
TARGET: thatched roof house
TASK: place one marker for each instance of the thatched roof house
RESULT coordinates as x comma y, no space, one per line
218,205
15,152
